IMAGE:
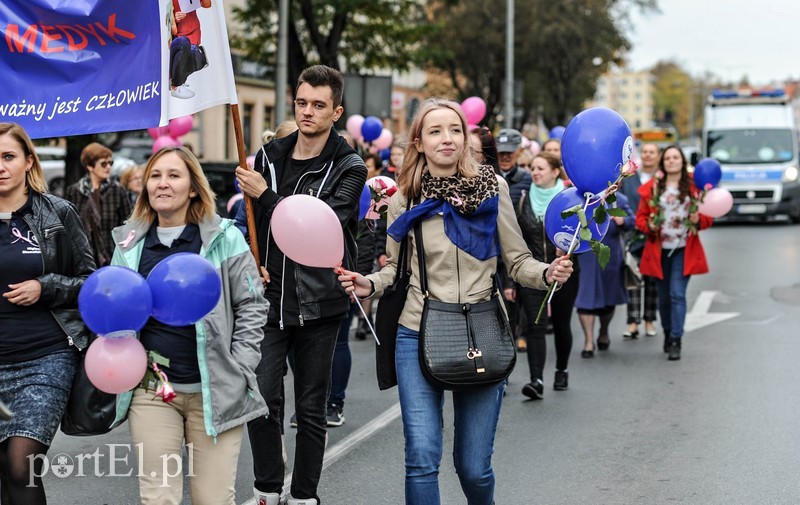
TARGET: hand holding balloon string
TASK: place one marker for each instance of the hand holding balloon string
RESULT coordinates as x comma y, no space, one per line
349,280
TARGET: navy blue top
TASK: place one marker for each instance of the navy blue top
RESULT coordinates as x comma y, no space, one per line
177,343
26,332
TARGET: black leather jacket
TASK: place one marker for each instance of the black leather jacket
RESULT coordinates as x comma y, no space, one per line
319,293
533,231
68,261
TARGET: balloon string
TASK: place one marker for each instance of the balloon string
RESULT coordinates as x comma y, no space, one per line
366,318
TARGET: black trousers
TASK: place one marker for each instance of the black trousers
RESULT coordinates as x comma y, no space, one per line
184,60
561,315
312,347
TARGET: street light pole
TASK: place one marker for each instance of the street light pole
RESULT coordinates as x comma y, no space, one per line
281,73
509,105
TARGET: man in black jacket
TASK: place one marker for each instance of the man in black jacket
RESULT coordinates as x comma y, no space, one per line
509,146
306,303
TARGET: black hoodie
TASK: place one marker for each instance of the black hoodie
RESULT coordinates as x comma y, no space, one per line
308,293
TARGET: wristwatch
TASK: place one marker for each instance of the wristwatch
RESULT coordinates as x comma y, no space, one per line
544,277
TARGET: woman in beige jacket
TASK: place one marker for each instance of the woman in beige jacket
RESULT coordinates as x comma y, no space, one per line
468,221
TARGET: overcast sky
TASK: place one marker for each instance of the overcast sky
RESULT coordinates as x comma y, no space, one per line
730,38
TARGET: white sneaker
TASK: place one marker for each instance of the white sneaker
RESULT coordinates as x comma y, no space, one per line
182,92
298,501
266,498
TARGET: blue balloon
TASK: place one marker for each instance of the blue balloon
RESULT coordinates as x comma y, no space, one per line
185,288
707,171
596,145
113,299
561,230
557,132
364,202
385,154
371,128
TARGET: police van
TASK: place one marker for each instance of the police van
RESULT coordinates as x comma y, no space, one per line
753,135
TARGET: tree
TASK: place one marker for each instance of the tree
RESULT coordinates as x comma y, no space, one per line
561,48
364,34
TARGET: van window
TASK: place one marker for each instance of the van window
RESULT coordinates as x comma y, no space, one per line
750,146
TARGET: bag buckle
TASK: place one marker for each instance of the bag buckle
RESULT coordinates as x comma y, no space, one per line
474,353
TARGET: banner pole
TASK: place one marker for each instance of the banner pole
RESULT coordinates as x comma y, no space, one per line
248,202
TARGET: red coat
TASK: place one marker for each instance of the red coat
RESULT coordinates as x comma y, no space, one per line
694,259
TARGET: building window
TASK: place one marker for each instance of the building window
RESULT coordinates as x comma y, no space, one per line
268,118
247,126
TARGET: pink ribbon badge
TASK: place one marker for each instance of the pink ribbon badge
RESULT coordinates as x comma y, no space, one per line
125,243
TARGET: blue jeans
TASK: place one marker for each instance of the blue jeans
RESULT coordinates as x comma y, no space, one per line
476,416
672,293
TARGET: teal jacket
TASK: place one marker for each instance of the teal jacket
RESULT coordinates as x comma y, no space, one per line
228,338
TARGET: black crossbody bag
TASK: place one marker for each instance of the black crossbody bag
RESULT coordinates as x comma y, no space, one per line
462,346
387,317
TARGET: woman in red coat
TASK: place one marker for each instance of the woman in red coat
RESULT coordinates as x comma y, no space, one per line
672,252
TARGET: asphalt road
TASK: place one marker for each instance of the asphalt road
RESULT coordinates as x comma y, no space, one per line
718,427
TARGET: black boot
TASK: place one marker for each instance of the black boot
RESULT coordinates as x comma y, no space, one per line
362,331
561,382
674,349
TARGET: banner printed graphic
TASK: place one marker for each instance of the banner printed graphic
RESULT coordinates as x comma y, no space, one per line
96,66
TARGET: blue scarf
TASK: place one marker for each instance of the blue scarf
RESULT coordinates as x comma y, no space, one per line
474,233
540,198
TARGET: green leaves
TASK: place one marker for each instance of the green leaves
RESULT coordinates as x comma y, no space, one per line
571,211
602,251
617,212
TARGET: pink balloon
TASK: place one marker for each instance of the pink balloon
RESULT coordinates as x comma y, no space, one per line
165,141
383,185
308,232
474,109
353,125
384,140
180,126
232,200
251,161
115,365
535,148
471,127
717,203
158,131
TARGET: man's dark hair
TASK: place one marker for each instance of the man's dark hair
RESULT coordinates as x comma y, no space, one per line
321,75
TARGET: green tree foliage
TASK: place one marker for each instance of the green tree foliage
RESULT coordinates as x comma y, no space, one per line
561,48
679,98
364,34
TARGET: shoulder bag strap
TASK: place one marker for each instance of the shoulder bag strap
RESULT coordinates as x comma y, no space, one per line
423,273
402,259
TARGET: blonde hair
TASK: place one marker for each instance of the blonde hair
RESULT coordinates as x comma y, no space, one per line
201,206
409,177
34,178
284,129
127,174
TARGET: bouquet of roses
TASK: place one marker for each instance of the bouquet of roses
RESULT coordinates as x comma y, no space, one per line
381,189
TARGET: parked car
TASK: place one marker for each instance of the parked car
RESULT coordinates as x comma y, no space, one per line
220,175
52,160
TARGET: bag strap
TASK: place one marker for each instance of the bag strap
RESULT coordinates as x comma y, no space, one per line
423,272
402,260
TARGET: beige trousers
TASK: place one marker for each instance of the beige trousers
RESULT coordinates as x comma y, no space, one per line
159,431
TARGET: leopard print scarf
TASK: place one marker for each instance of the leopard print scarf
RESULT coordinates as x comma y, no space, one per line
463,193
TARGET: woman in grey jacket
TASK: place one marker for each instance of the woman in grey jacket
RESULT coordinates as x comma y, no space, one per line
468,221
211,363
